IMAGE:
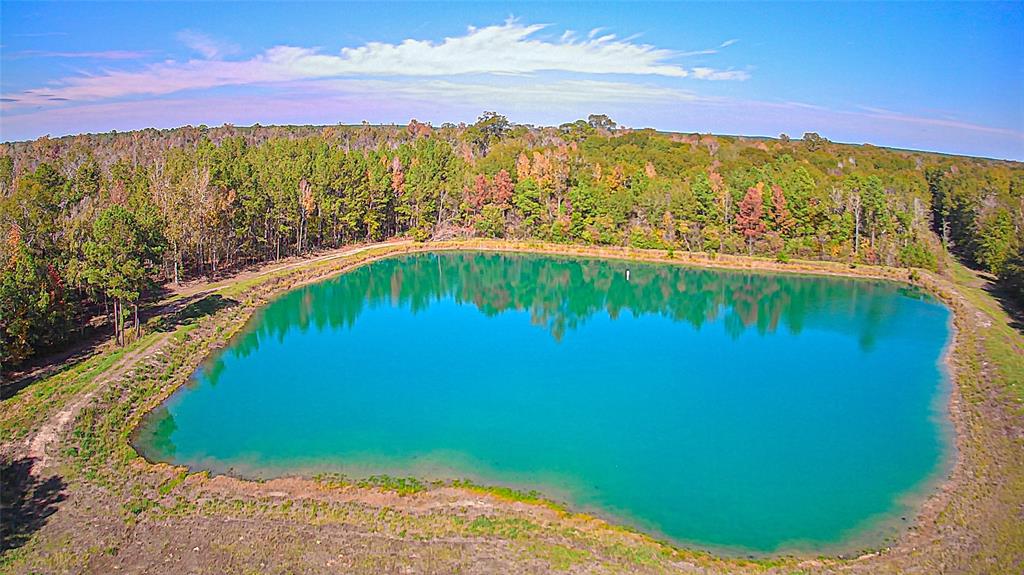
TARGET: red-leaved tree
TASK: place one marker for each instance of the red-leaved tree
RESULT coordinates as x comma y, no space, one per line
478,195
748,220
501,189
784,222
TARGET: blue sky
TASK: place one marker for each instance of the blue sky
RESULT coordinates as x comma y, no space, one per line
942,77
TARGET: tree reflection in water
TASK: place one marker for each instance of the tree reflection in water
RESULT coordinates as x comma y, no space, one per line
561,293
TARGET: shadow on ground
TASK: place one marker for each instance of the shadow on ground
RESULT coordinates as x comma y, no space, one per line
183,311
85,344
1010,305
26,502
188,310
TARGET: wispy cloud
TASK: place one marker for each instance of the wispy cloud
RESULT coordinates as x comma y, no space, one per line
206,45
99,55
39,34
709,51
507,49
702,73
888,115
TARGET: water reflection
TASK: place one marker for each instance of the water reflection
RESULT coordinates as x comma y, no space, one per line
560,294
156,434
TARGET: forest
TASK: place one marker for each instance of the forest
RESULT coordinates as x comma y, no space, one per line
93,224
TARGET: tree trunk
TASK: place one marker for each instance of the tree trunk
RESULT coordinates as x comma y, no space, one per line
117,322
856,232
138,328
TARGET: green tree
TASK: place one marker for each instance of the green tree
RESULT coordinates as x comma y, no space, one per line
489,129
120,262
813,141
997,242
601,122
33,312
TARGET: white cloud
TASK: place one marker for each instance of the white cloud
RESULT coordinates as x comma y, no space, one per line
205,45
507,49
702,73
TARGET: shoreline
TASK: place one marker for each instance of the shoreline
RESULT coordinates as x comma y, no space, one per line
924,501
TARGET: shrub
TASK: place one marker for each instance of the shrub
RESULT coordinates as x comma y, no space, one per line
916,255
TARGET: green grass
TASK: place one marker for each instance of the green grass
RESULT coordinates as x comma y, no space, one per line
30,407
505,527
169,485
559,557
508,494
401,485
1004,346
989,364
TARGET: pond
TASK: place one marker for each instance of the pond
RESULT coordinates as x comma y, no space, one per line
744,411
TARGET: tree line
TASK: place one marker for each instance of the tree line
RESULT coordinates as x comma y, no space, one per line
92,223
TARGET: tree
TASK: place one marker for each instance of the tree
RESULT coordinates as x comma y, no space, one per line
601,122
576,131
307,203
491,127
479,194
813,141
1013,274
6,174
523,168
781,218
34,207
528,206
997,242
33,311
748,220
502,188
492,222
120,262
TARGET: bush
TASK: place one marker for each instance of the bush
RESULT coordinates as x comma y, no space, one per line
915,255
420,234
1013,276
646,239
491,223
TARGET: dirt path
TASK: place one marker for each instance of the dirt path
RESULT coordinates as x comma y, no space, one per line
201,288
51,431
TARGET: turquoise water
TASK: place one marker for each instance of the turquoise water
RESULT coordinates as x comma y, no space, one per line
755,412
